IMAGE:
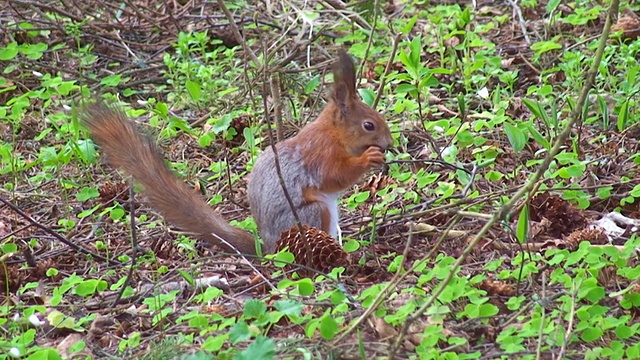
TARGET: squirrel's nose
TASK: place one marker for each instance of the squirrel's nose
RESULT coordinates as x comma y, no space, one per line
386,143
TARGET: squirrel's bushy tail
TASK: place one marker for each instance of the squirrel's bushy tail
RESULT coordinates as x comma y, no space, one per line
127,149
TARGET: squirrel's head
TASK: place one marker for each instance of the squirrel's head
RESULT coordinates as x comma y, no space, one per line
363,126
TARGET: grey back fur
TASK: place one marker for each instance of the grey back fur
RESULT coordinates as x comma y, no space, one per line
269,206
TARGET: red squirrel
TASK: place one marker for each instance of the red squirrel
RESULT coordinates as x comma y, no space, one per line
325,158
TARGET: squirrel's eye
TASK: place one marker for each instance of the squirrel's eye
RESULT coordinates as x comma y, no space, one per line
368,125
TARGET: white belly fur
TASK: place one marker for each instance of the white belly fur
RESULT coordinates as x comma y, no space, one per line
331,201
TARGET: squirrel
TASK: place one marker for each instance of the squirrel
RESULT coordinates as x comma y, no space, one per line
326,157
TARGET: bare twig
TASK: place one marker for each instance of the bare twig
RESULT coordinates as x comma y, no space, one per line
274,82
387,69
376,14
384,293
543,294
246,260
276,159
523,25
59,237
134,244
263,68
569,332
469,185
339,5
236,33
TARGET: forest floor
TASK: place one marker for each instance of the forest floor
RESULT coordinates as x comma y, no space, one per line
475,104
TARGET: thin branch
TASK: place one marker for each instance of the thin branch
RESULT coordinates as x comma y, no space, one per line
236,33
523,25
387,69
339,5
384,293
134,244
60,238
274,83
376,14
276,158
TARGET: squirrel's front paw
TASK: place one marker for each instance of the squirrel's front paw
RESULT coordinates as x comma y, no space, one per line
373,157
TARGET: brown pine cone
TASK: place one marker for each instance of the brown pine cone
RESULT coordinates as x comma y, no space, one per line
321,253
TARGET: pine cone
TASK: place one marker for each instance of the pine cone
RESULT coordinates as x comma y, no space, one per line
113,191
322,253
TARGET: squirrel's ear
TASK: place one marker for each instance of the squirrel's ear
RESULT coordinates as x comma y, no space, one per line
344,81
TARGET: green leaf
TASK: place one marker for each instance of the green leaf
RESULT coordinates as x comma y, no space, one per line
310,328
411,59
537,136
102,285
405,88
249,138
428,80
312,84
545,90
221,124
622,116
596,294
194,89
289,307
254,308
522,233
535,108
624,332
206,139
88,150
283,259
591,334
9,248
200,355
199,321
361,197
111,80
239,332
575,171
351,245
87,193
45,354
66,86
488,310
368,96
462,104
552,5
262,348
516,137
211,293
305,287
328,327
406,28
162,109
61,321
34,51
78,346
415,50
213,343
545,46
425,179
87,287
187,277
116,213
9,52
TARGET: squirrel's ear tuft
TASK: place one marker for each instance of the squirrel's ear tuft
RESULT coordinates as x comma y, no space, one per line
344,80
